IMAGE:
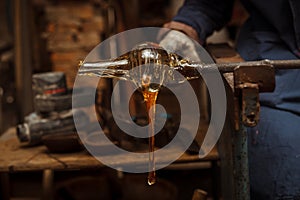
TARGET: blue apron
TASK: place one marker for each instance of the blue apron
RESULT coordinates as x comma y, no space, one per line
274,145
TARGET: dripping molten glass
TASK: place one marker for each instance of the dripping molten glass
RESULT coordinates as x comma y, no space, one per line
145,66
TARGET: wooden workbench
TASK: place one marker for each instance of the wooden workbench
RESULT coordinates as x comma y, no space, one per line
15,158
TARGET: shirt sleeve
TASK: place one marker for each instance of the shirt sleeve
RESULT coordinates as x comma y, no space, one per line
205,16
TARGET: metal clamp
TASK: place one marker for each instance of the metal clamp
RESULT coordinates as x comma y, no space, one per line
249,81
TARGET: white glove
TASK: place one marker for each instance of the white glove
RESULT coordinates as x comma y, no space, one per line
179,43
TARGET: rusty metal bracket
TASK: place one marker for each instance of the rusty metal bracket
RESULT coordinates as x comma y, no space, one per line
250,103
249,81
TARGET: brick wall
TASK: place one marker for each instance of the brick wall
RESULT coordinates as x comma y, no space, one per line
73,29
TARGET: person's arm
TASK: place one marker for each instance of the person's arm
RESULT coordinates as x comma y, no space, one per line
199,18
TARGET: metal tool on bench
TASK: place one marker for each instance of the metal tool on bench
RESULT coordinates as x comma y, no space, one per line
53,113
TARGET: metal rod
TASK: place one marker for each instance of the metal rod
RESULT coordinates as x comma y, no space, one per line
222,67
23,69
277,64
240,164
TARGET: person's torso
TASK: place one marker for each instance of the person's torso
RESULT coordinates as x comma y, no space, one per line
273,32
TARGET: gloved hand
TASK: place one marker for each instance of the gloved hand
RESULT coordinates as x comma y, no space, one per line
184,42
179,43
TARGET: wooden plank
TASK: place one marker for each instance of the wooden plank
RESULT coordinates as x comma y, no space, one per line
14,157
223,53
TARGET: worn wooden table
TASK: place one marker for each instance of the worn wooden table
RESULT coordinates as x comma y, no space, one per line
15,158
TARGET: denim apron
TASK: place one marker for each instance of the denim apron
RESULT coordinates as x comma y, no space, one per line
274,145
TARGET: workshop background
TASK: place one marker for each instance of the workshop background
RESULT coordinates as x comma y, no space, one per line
50,35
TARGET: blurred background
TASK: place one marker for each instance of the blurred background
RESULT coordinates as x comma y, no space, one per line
51,35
